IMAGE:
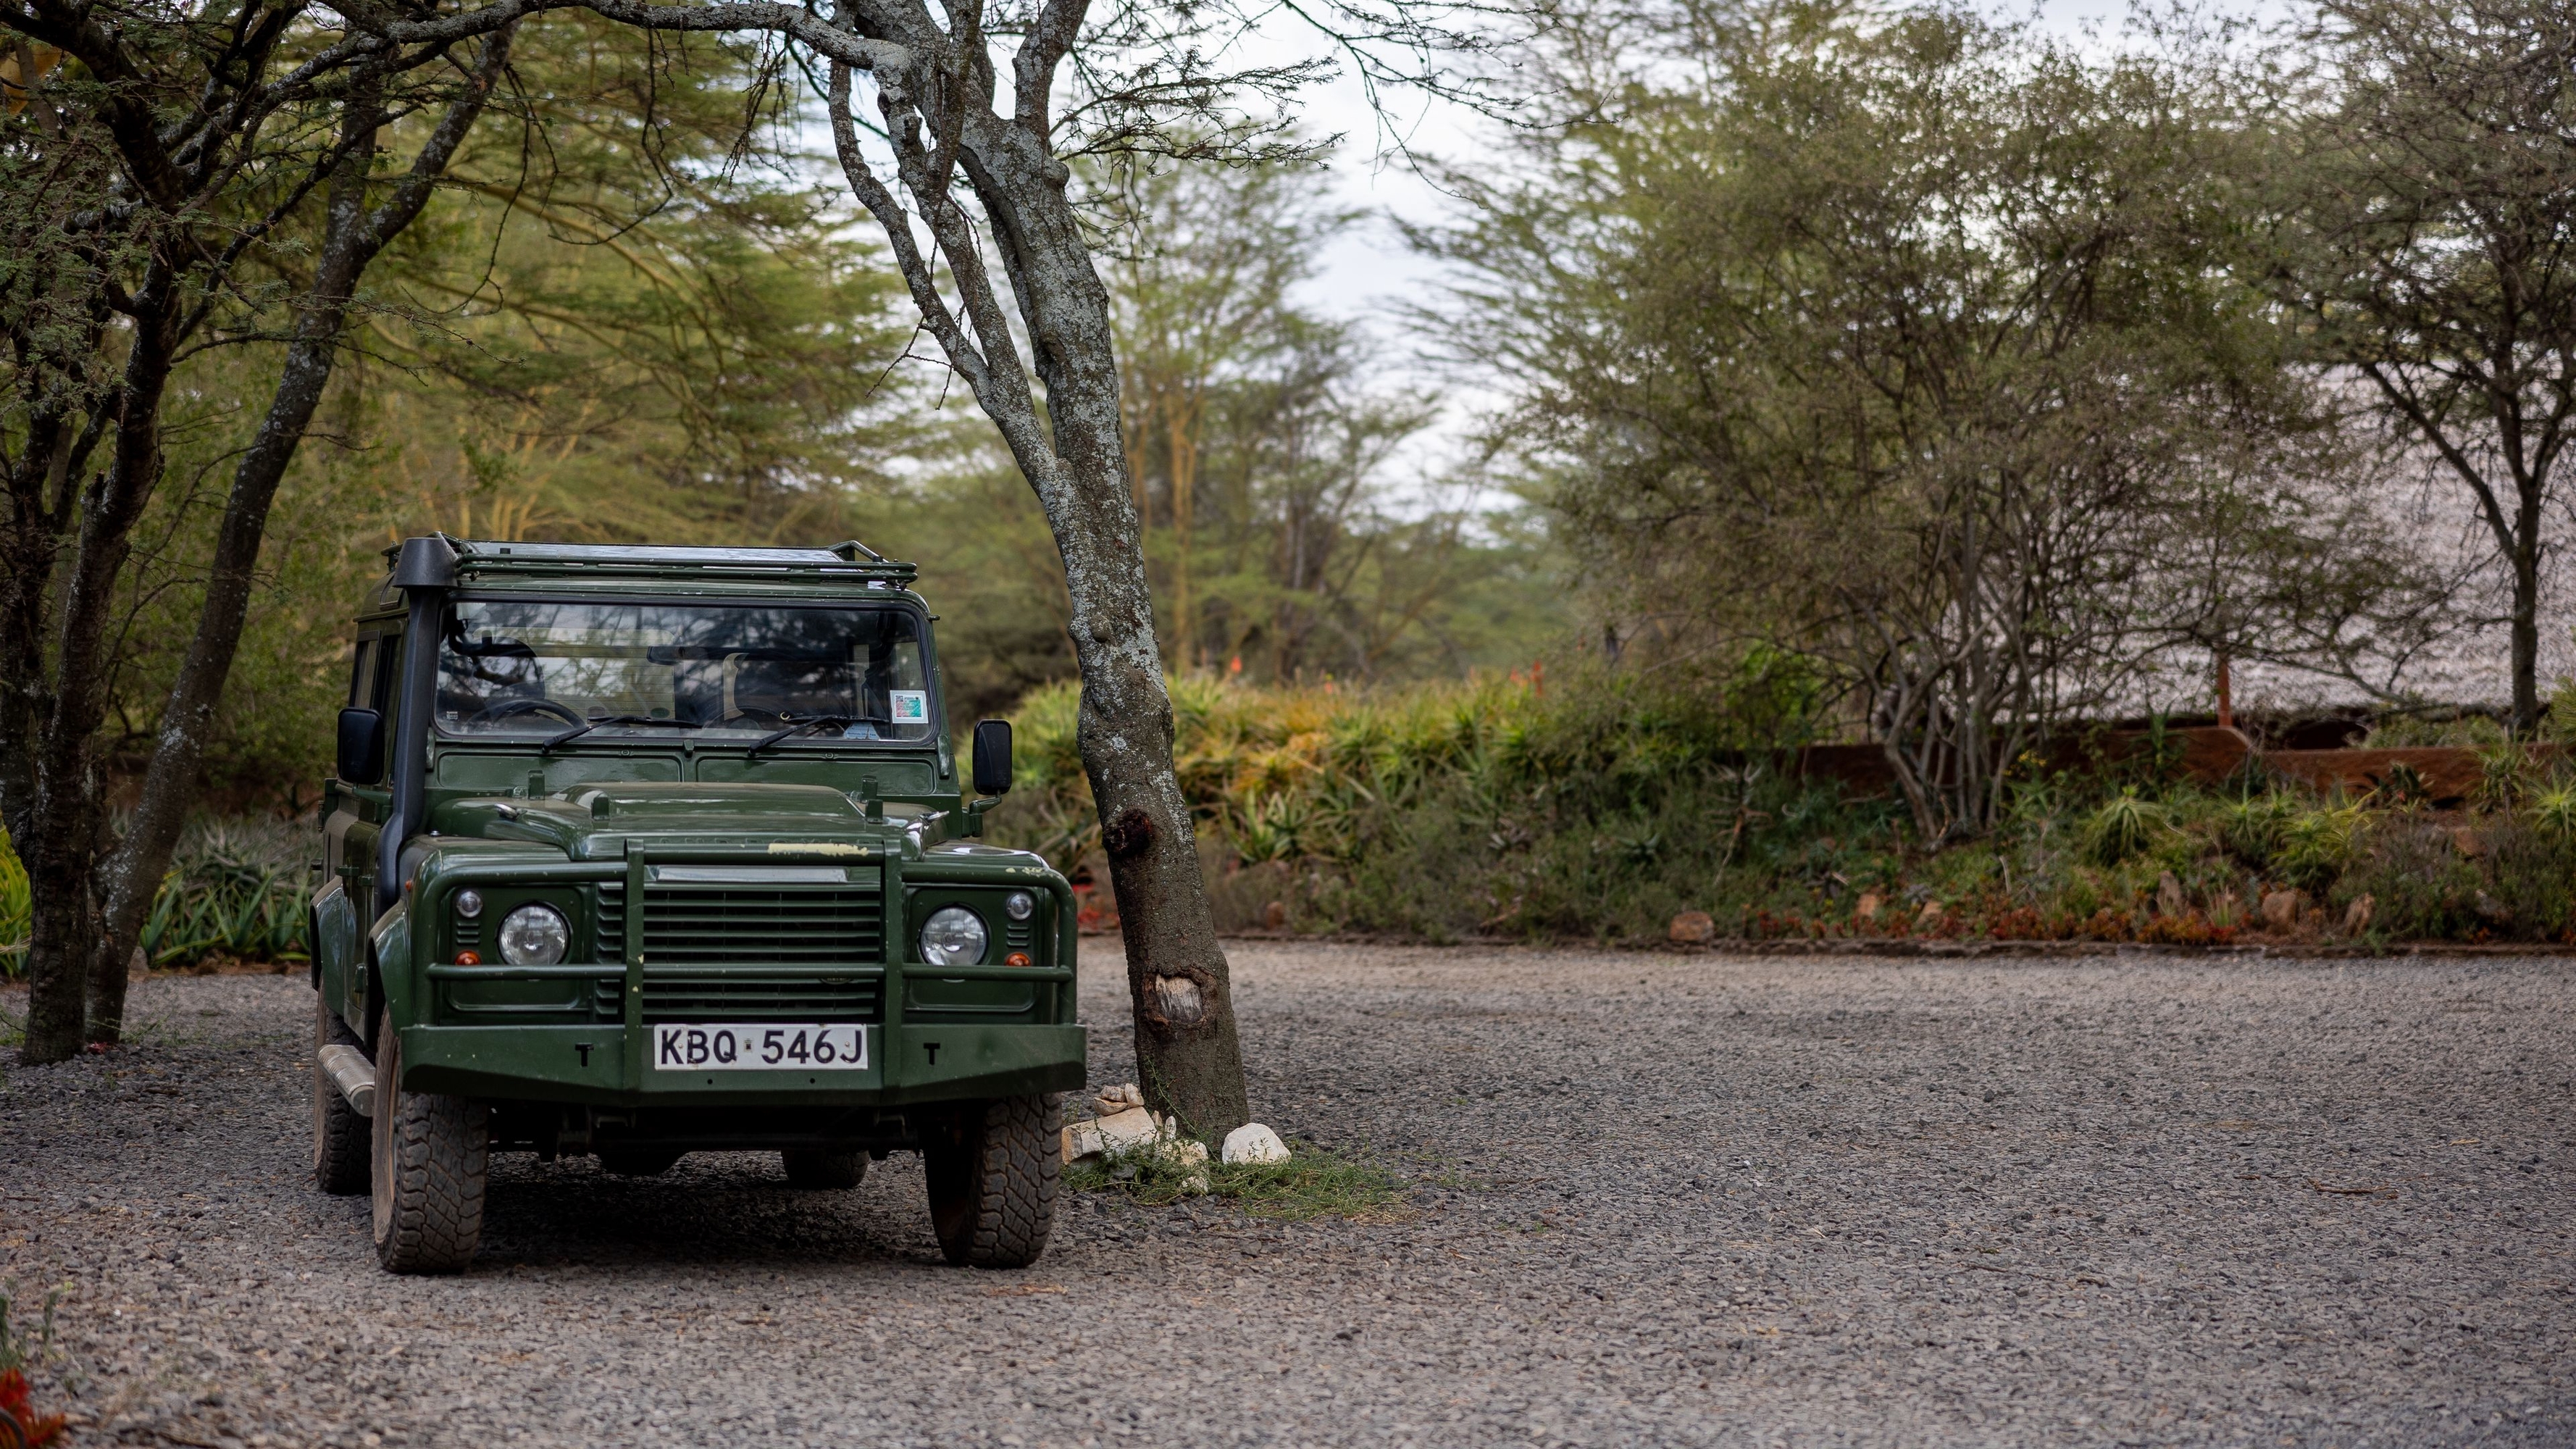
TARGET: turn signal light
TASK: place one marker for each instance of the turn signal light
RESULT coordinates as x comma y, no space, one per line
1016,958
468,958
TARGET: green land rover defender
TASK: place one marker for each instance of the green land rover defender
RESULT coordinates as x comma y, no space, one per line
637,852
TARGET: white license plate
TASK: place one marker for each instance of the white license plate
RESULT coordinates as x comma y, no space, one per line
764,1047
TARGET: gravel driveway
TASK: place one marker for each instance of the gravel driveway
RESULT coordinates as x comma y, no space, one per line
1653,1200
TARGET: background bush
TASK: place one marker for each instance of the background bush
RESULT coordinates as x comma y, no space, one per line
1600,805
239,889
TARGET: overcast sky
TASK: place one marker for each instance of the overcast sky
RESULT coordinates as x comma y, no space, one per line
1370,275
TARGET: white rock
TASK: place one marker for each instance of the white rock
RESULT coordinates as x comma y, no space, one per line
1253,1142
1188,1151
1196,1185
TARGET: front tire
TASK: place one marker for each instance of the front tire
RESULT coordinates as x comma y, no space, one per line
431,1154
340,1157
992,1169
825,1171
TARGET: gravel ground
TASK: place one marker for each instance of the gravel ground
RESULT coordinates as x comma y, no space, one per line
1652,1200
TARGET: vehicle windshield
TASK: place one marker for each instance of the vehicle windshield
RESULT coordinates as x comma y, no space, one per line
532,669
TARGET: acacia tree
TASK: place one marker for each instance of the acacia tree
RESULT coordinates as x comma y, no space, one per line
163,189
980,215
2436,254
1919,348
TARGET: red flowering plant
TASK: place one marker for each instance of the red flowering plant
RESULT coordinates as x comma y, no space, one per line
20,1427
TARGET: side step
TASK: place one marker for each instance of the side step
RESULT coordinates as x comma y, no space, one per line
355,1076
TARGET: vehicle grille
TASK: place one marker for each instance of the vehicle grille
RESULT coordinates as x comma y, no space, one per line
724,925
738,996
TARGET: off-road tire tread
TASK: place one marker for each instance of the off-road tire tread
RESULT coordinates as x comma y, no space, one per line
822,1171
441,1158
1015,1160
340,1135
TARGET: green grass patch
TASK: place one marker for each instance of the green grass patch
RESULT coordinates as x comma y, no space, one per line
1313,1184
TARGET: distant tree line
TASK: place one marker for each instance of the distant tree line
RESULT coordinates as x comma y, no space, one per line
1996,374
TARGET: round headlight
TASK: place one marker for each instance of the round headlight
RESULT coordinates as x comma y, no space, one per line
534,936
1018,904
469,904
953,936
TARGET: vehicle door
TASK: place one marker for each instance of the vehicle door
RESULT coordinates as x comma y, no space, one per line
353,817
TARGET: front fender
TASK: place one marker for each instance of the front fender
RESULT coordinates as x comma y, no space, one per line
335,938
391,940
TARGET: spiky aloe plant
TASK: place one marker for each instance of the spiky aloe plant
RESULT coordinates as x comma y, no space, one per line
2504,777
2124,827
2250,828
2553,812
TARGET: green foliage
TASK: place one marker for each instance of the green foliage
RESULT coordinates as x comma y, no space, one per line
2560,723
2420,886
241,889
2316,845
1833,324
2415,731
1313,1183
2250,828
2505,775
1605,804
2553,812
2125,826
616,321
17,910
2403,788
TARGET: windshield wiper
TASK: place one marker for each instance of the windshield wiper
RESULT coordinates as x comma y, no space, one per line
838,721
578,731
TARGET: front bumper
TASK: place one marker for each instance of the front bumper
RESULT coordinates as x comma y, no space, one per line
590,1065
607,1063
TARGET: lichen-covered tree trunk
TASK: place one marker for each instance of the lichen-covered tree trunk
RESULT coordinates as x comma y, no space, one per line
353,234
1188,1056
1073,452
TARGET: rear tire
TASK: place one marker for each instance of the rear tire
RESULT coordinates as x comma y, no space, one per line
431,1155
825,1171
639,1161
992,1169
340,1156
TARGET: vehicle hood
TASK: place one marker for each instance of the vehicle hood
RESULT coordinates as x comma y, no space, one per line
595,821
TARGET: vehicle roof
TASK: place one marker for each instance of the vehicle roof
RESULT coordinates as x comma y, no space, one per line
458,562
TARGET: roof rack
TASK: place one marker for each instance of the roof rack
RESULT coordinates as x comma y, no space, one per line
852,559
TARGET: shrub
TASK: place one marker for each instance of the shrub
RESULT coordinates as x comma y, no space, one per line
2316,845
2125,826
2250,827
2504,777
2420,886
2553,812
2533,874
17,910
240,888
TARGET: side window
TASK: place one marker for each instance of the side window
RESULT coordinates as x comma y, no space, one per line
380,692
362,674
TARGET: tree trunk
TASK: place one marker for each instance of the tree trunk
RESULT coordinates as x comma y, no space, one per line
352,236
2525,718
1073,453
68,817
1188,1056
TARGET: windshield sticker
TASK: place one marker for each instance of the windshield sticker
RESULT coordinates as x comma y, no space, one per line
911,706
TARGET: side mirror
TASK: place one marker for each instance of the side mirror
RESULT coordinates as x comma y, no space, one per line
362,747
993,757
